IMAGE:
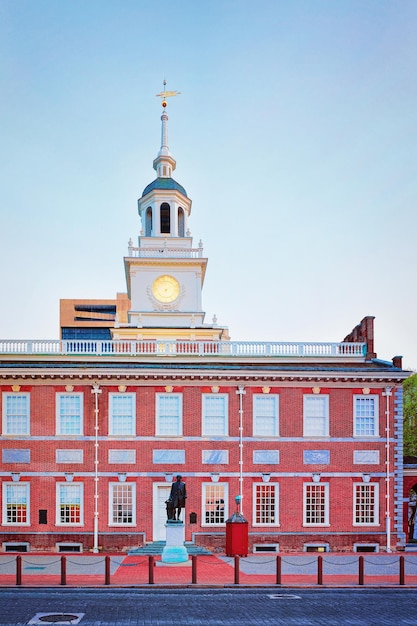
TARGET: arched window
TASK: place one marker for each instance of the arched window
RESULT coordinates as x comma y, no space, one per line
181,223
165,218
148,222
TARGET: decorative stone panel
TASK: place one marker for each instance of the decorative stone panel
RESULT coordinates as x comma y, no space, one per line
168,456
316,457
266,457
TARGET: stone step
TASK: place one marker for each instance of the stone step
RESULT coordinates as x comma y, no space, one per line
411,547
155,548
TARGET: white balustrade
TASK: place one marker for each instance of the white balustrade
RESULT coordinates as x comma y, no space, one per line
165,251
249,349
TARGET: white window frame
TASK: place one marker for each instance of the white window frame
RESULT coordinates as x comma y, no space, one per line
307,432
210,506
59,418
132,416
265,487
317,486
258,417
69,485
127,486
361,487
21,486
160,432
210,431
375,399
5,426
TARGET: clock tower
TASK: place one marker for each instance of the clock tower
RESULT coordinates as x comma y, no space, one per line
165,272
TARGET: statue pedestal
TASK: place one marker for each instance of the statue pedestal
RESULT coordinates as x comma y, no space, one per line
174,551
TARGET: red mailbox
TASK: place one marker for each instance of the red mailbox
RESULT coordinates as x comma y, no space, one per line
236,535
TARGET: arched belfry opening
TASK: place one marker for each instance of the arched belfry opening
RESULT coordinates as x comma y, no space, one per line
148,222
181,223
165,216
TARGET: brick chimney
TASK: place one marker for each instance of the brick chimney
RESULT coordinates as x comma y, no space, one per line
364,333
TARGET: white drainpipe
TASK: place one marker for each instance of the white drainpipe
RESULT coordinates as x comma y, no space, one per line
96,391
241,392
387,393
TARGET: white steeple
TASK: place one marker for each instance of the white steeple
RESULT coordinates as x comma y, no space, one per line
164,164
164,206
165,273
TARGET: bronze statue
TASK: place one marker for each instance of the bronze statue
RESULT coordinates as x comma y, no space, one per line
176,500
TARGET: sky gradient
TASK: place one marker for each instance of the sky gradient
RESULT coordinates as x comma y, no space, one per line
294,136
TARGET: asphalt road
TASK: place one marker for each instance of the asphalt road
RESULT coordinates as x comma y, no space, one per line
198,607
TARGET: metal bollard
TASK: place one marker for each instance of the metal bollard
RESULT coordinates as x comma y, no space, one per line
319,570
18,570
107,570
361,570
279,570
151,569
63,570
402,569
237,559
194,569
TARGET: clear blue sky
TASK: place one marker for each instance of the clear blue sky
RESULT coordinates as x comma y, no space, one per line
294,135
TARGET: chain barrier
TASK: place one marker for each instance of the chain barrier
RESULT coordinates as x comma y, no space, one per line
221,561
131,564
7,562
39,564
410,560
81,564
342,563
397,562
384,563
295,564
257,562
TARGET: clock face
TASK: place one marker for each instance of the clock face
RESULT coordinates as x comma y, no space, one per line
166,288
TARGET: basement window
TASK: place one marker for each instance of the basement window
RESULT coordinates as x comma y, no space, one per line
69,547
366,547
316,547
259,548
16,547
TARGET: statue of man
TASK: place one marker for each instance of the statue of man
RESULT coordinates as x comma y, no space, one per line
178,496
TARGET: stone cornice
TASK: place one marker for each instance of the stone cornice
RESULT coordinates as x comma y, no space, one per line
197,377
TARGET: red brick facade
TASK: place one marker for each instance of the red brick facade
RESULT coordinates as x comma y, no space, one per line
296,454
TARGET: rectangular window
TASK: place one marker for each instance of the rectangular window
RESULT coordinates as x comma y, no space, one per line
122,414
316,416
70,504
16,504
365,416
365,504
69,414
169,414
316,505
214,504
215,415
265,505
265,415
122,504
16,413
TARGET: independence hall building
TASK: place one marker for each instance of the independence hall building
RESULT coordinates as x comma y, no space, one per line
96,425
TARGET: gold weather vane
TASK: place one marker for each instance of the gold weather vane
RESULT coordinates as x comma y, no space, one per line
166,94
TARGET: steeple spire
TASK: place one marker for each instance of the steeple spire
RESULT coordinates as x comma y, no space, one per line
165,164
